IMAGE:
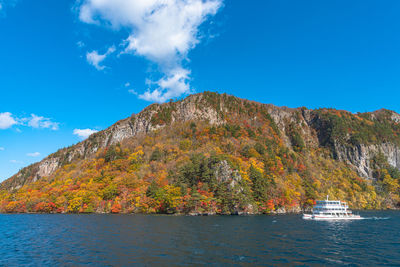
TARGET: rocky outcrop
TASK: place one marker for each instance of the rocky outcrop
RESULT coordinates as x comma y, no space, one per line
282,210
360,156
232,179
47,167
224,174
212,108
188,109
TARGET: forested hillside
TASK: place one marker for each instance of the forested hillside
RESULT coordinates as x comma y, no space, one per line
218,154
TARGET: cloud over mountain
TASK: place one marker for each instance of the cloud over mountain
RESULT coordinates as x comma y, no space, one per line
41,122
33,155
6,120
84,133
95,59
162,31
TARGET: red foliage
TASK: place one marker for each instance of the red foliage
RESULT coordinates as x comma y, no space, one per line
45,207
116,207
270,205
301,167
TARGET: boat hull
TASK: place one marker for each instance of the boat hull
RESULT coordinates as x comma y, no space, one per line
330,217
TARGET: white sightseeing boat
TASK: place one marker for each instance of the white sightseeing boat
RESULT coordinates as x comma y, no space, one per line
331,210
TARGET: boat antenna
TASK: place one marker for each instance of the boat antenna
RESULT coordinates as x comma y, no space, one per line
327,197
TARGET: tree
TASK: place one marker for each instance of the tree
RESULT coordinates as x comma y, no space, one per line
110,192
156,155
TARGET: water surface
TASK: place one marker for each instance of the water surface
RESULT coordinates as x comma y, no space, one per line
121,240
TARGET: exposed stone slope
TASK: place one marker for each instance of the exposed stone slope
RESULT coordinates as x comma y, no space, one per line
312,126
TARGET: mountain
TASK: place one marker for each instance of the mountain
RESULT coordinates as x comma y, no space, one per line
218,154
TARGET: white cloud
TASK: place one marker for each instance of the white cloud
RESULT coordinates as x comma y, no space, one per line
7,120
162,31
14,161
176,82
1,148
133,92
84,133
41,122
80,44
94,58
34,154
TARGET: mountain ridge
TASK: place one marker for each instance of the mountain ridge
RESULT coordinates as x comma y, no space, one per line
356,140
145,127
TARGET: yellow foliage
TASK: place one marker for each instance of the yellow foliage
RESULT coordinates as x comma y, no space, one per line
258,165
75,204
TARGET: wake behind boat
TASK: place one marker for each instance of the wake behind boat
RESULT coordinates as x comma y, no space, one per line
331,210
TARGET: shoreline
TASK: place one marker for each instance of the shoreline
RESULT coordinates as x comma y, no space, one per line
180,214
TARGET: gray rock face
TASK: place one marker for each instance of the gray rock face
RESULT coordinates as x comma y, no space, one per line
357,156
188,110
360,156
196,108
395,117
47,167
185,110
224,174
284,117
282,210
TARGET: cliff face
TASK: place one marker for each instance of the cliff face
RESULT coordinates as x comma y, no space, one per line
225,155
360,156
142,123
358,138
315,131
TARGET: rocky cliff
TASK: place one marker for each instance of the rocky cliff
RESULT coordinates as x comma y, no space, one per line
360,156
313,129
212,153
148,120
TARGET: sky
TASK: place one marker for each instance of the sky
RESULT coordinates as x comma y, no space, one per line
69,68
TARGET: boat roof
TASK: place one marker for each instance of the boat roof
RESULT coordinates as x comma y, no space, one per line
327,201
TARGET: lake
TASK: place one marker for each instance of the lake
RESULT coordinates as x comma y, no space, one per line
120,240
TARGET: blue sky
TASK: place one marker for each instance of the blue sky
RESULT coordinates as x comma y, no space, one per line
68,68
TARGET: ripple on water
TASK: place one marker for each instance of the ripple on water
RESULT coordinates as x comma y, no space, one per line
180,240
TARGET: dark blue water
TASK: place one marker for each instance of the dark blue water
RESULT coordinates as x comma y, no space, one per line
119,240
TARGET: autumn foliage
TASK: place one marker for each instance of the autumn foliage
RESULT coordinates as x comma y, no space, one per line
244,165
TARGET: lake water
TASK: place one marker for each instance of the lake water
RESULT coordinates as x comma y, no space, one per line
121,240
